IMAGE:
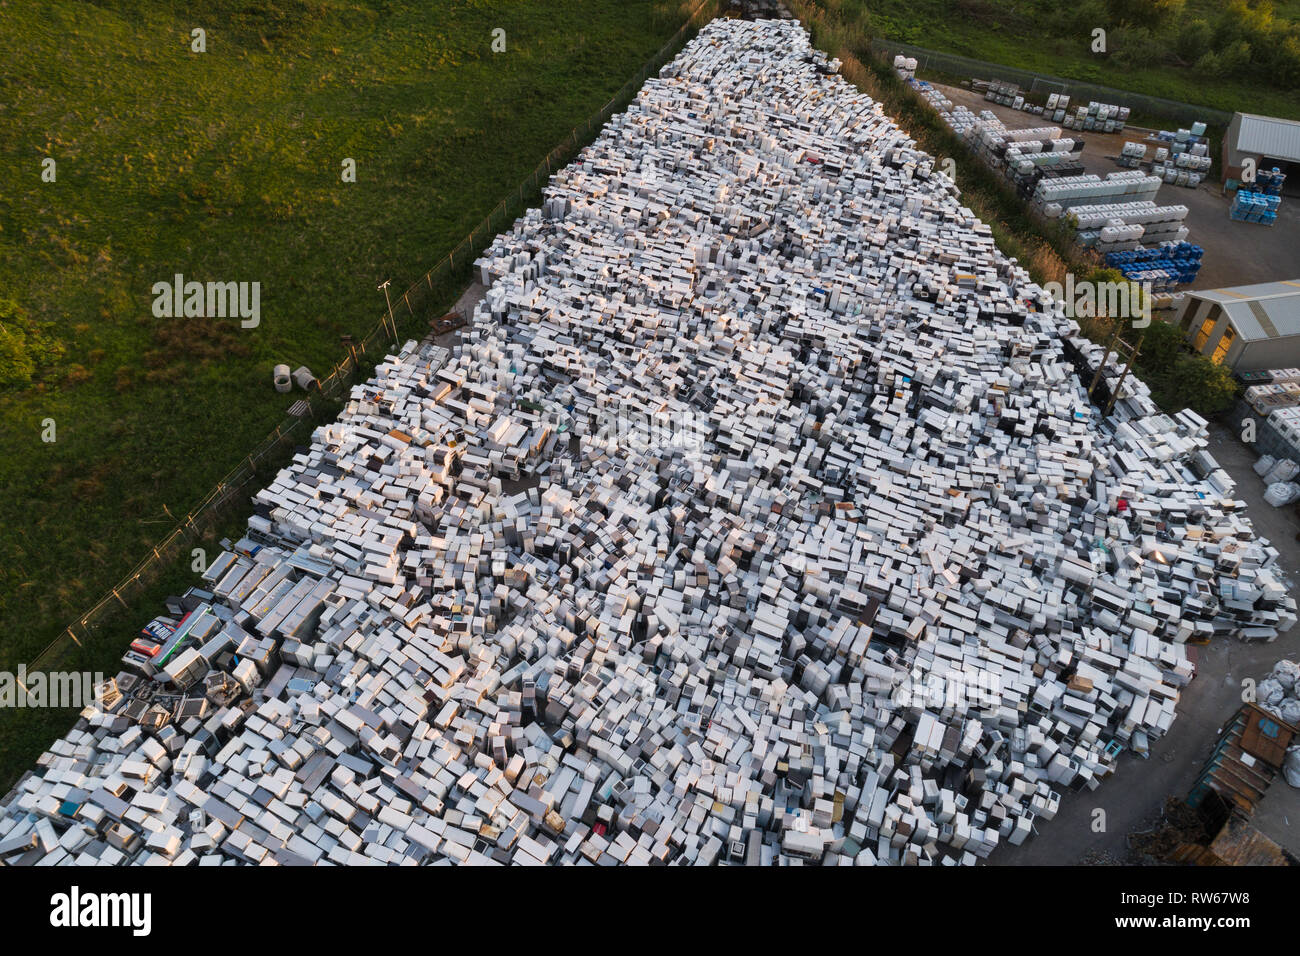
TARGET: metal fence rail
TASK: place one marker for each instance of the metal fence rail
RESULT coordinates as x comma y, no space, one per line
1045,83
411,312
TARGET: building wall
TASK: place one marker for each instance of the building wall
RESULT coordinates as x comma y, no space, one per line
1191,310
1205,325
1230,138
1208,324
1233,159
1234,169
1233,359
1268,353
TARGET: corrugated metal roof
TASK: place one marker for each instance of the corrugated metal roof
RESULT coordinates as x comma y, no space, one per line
1260,290
1269,136
1265,311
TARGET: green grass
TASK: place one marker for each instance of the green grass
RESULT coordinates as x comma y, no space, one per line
1055,38
225,166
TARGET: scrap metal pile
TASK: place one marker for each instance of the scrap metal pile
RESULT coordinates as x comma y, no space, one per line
759,516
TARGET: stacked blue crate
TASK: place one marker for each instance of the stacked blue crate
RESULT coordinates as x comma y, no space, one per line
1258,207
1164,267
1269,181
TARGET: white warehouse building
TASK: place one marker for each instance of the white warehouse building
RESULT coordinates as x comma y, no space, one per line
1246,328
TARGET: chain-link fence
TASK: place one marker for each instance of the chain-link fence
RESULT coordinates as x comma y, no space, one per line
409,317
1044,84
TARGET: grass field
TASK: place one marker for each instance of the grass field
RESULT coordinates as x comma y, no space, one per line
1167,58
225,166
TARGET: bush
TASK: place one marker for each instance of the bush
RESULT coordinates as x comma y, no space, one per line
1202,385
1131,46
1234,58
25,348
16,365
1193,41
1145,13
1161,347
1209,63
1180,378
1282,61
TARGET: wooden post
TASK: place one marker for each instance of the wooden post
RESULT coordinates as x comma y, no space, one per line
1102,365
1132,356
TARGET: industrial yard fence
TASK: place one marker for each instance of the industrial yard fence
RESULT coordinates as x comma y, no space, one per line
409,317
1044,83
